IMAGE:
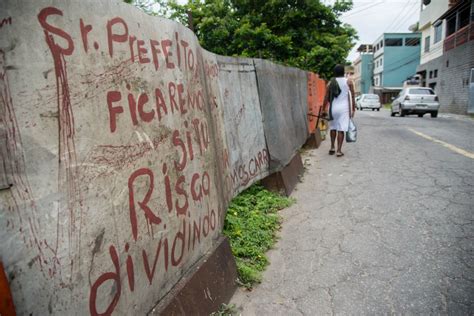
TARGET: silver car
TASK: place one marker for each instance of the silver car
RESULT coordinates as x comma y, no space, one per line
368,101
416,100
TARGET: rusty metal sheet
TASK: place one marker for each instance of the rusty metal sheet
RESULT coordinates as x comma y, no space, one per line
316,93
283,100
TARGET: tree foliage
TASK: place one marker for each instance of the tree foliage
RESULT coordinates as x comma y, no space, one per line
302,33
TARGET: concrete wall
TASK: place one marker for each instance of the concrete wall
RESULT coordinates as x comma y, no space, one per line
283,95
247,155
453,78
124,142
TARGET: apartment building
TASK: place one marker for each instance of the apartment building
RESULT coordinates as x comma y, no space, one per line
447,52
395,58
363,69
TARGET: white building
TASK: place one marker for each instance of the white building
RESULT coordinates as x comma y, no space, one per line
433,33
447,52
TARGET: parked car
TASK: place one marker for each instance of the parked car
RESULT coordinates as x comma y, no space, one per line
416,100
369,101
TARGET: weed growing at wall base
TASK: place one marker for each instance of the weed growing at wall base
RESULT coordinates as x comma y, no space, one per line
251,224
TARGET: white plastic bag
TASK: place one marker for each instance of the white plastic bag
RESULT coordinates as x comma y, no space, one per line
351,135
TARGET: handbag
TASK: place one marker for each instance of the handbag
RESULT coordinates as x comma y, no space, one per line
351,134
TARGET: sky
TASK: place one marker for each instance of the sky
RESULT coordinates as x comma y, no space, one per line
372,18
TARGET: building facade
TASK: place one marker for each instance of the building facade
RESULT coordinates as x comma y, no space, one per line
447,54
363,70
396,57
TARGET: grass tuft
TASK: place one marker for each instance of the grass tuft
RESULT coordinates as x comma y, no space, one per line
251,224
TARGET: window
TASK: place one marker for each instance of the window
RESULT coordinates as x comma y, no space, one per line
464,17
371,97
438,31
451,26
427,44
381,61
435,73
381,44
412,41
394,42
431,74
421,91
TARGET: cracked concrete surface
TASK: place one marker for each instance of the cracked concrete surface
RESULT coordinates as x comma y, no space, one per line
387,229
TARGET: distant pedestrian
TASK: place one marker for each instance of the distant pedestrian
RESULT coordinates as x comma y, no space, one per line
340,104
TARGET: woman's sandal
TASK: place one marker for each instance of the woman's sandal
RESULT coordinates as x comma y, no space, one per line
332,152
339,154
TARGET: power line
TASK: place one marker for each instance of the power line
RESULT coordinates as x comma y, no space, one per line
364,9
406,18
398,16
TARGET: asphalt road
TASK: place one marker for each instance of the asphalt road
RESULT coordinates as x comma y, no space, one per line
386,229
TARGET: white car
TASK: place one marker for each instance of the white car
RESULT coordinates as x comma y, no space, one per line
416,100
369,101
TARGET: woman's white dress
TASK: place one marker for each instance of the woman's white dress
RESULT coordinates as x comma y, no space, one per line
340,108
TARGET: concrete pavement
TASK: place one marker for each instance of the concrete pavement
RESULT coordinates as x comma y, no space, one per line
387,229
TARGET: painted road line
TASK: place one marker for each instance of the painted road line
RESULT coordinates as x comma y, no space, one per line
447,145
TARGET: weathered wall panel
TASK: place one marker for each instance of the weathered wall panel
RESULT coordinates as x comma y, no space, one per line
283,99
247,157
112,136
123,143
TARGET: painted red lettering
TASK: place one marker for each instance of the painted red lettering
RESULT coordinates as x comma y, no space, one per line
172,94
149,215
181,236
85,29
48,28
177,142
115,277
181,210
142,51
154,52
165,44
113,96
114,37
160,103
144,116
181,99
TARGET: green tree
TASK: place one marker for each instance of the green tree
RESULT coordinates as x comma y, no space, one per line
302,33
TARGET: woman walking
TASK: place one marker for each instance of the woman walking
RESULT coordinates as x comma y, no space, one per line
338,92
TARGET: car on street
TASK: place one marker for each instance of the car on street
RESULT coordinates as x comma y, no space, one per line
415,100
369,101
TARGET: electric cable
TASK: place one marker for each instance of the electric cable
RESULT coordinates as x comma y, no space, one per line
364,9
397,17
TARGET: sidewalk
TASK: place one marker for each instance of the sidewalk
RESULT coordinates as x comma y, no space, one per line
385,229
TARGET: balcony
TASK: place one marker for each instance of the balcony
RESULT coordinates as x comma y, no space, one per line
460,37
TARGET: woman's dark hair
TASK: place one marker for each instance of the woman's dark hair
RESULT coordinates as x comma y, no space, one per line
339,71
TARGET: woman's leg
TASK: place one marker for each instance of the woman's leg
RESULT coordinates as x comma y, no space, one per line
340,140
333,140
